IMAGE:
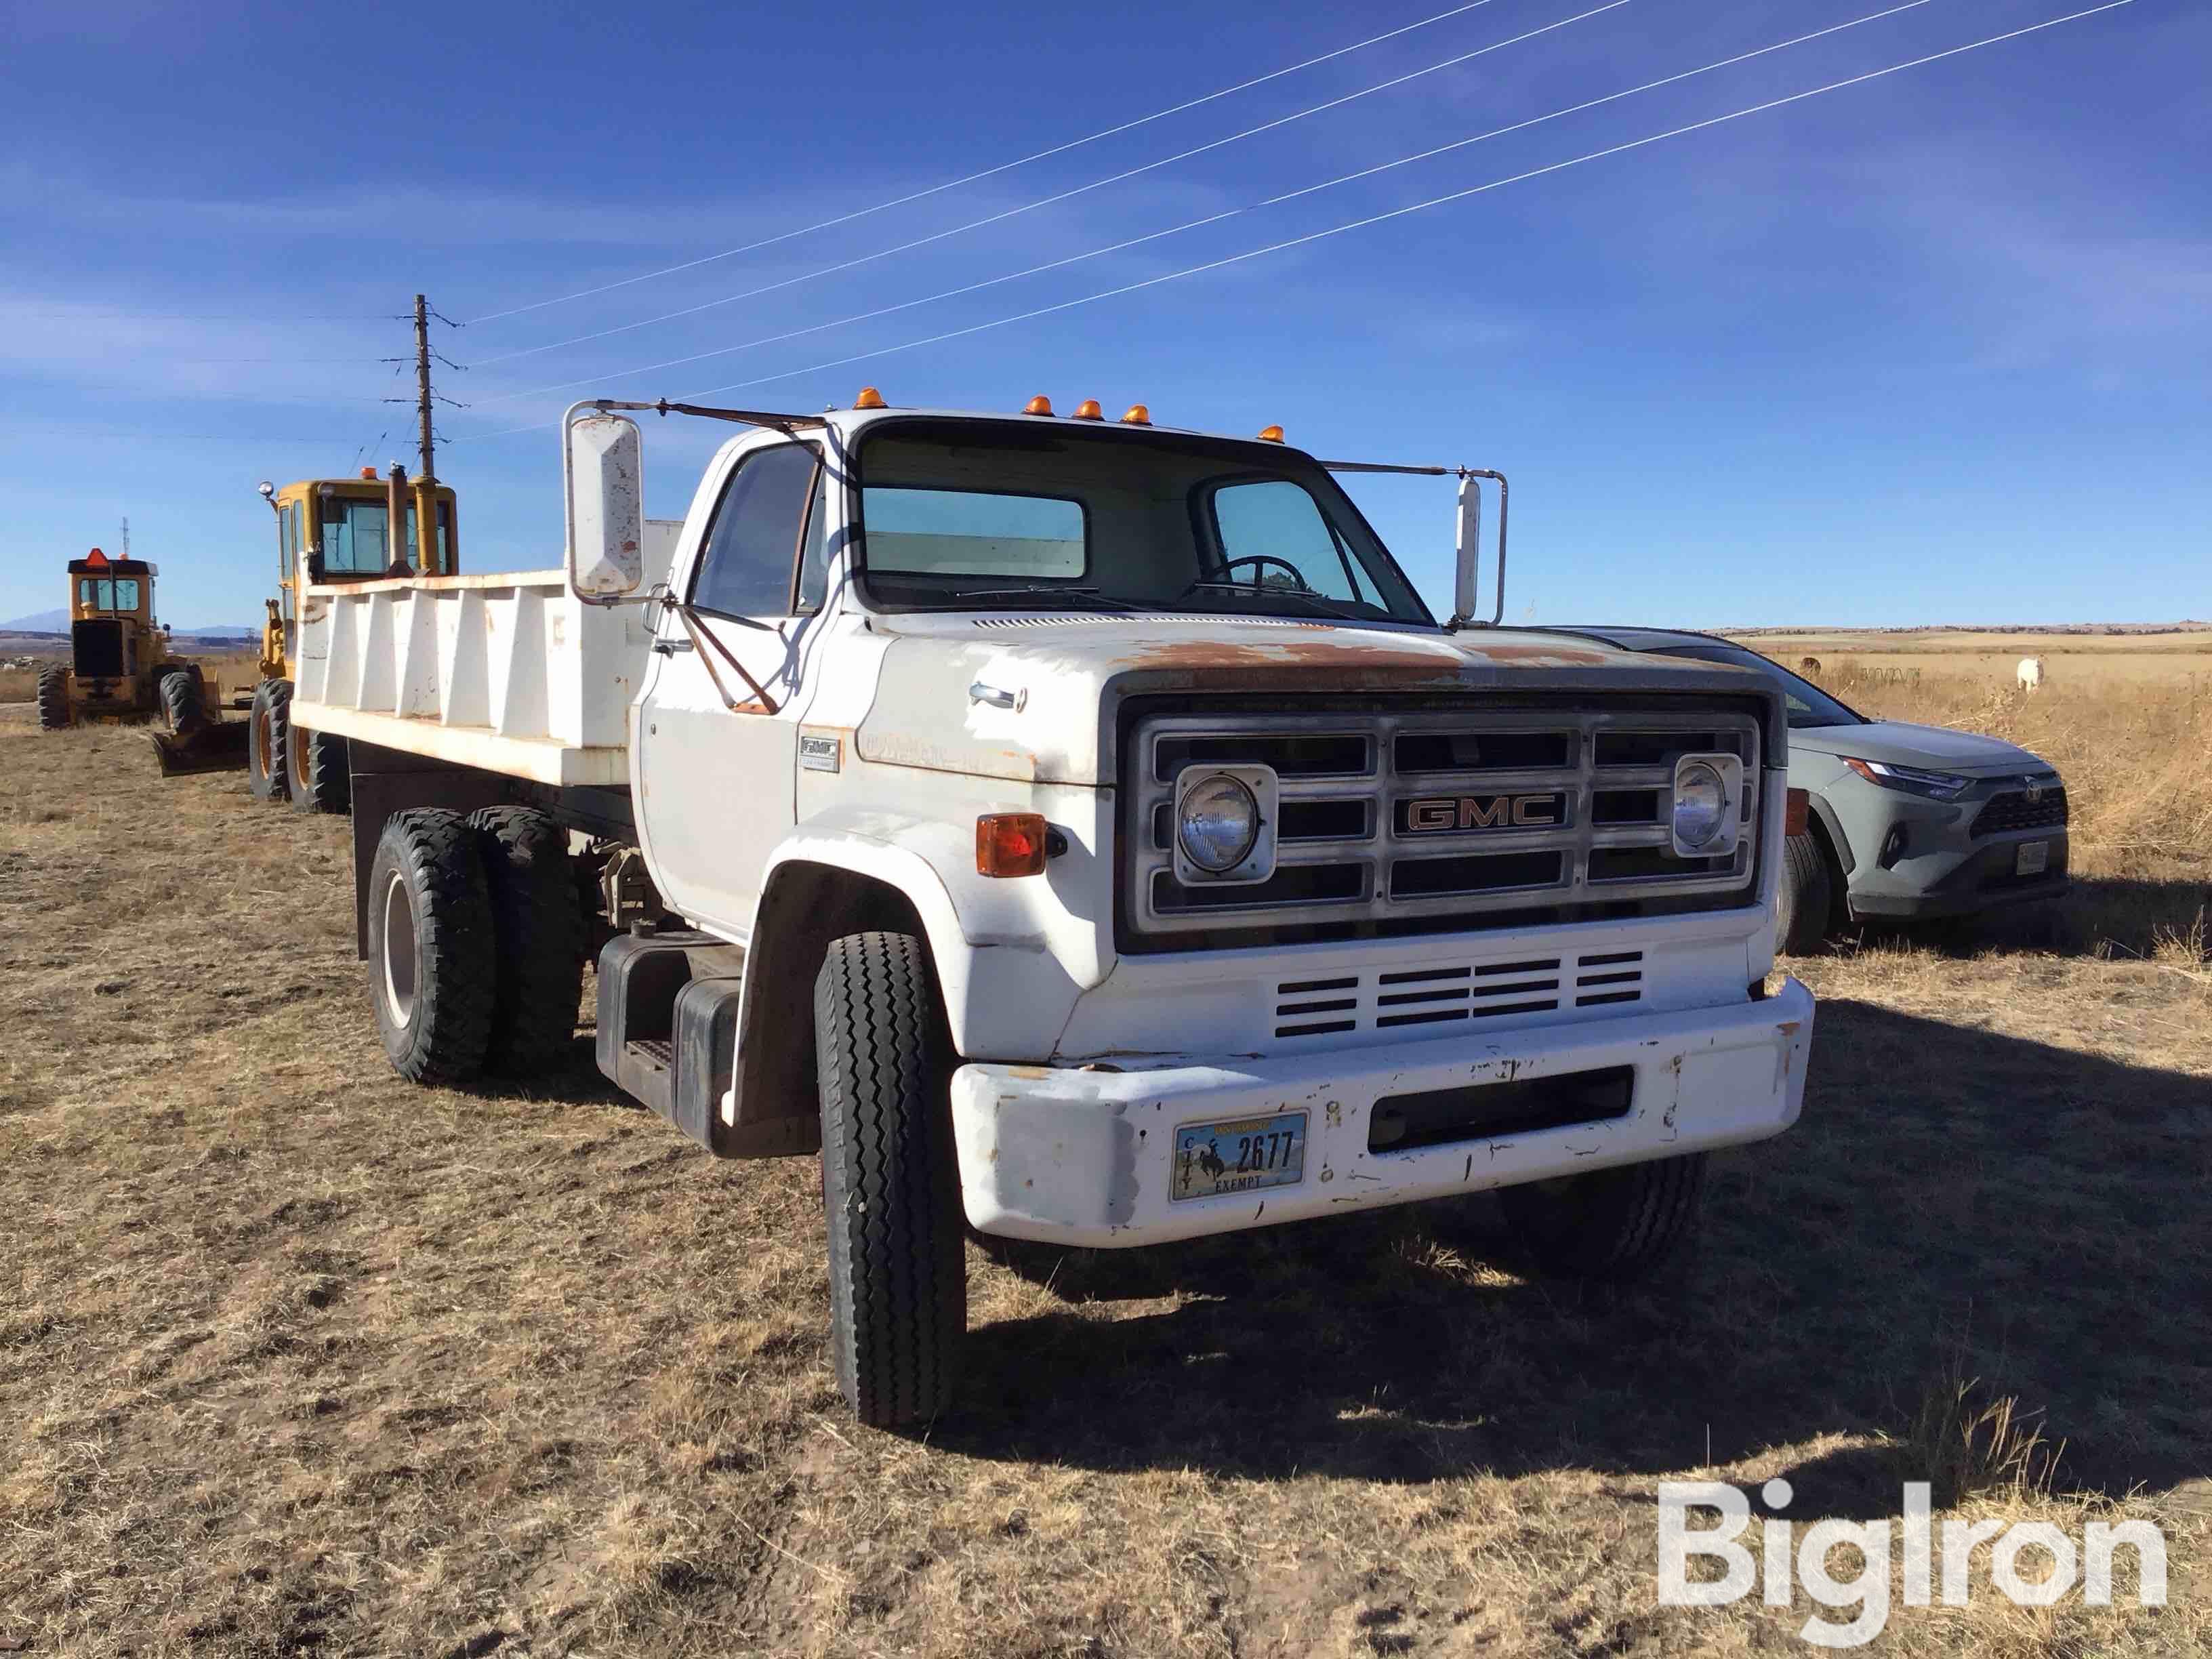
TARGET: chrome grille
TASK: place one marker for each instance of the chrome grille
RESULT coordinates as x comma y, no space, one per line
1350,784
1450,992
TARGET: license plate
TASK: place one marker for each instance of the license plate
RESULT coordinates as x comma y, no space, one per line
1240,1156
2034,859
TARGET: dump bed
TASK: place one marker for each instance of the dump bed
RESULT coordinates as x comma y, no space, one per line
508,671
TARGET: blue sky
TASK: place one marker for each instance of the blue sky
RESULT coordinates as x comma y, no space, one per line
1936,348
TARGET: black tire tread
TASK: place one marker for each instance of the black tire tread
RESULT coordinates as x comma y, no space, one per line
444,1044
1805,898
539,931
898,1269
268,774
54,698
178,693
327,786
1615,1224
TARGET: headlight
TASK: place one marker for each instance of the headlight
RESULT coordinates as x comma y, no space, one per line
1217,823
1936,786
1701,804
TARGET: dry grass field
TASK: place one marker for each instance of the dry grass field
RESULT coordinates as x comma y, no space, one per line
2094,663
295,1359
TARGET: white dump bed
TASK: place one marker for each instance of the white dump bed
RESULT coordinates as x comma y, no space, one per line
507,672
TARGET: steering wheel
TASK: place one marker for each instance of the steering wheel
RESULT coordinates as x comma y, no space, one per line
1256,561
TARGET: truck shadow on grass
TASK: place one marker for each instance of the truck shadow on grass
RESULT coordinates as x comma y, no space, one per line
1952,1196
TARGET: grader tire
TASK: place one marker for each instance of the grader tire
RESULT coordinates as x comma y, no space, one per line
898,1287
537,926
269,739
316,776
432,955
180,697
54,698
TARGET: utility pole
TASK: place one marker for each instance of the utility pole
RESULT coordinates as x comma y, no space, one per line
126,539
429,473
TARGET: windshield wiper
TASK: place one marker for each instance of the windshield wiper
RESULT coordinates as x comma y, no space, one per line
956,600
1326,607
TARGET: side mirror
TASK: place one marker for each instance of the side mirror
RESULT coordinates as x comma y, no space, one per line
602,468
1469,548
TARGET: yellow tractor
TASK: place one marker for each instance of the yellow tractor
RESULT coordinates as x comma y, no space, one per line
119,669
329,531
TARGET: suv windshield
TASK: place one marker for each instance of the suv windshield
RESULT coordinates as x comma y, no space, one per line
965,513
1809,706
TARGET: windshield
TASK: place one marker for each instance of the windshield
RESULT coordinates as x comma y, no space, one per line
1809,706
108,593
353,536
968,514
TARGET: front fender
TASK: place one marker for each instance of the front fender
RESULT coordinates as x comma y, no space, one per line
1011,956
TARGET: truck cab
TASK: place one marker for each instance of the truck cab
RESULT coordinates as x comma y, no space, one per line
1074,831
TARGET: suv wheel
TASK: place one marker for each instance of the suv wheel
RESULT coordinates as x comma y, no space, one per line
1805,898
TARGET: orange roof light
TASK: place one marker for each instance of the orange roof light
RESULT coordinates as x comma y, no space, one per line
1010,844
869,399
1039,405
95,557
369,473
1138,416
1271,435
1088,410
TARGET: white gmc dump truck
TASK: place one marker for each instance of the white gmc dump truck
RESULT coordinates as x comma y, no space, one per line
1074,829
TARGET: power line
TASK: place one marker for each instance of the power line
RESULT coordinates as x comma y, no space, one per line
1394,213
1061,196
1229,213
987,173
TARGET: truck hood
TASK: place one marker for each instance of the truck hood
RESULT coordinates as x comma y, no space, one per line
1935,748
1034,698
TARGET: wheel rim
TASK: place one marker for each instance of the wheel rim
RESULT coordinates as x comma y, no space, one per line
261,743
298,744
398,951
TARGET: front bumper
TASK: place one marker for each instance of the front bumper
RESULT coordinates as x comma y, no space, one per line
1083,1157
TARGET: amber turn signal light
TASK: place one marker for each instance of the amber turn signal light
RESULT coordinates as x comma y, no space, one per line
1794,816
869,399
1010,844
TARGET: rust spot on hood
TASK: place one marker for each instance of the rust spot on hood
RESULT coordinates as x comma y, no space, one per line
1546,656
1289,653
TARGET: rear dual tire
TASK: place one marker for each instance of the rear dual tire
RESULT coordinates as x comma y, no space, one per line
474,944
316,777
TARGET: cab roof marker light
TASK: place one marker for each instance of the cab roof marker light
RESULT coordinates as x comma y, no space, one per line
1138,416
869,399
1271,435
1039,405
1088,410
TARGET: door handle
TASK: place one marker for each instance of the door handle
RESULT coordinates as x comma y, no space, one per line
670,647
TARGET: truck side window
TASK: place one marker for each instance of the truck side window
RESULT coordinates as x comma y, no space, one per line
746,570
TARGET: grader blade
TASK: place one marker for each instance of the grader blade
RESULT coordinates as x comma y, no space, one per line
218,746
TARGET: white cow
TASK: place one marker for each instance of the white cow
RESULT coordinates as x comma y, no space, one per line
2030,673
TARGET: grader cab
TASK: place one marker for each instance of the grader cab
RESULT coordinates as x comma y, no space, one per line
119,670
333,530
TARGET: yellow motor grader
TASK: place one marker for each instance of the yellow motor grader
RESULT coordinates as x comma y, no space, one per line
332,530
119,670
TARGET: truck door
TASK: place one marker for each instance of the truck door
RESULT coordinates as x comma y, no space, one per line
715,761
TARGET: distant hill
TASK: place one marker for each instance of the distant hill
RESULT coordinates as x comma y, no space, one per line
39,622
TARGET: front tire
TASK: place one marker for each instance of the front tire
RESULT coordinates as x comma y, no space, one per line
269,738
54,698
1611,1224
538,926
1805,898
432,959
898,1287
180,697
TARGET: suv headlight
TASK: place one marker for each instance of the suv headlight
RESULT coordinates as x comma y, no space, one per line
1936,786
1707,814
1224,824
